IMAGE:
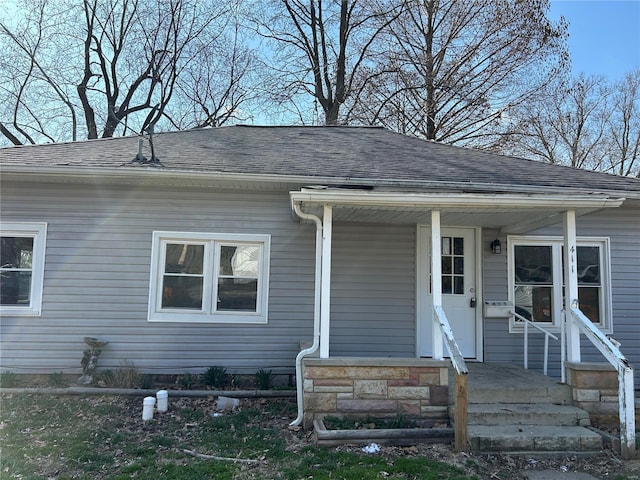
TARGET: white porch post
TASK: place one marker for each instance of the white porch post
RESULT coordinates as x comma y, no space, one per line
325,299
436,282
571,285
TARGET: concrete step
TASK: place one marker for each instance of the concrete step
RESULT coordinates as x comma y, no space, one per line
525,414
533,438
558,394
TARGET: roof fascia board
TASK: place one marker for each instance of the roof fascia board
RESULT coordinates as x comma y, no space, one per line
448,200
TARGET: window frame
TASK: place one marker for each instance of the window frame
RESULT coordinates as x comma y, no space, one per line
211,263
556,243
38,232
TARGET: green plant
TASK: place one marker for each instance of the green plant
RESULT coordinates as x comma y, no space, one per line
56,379
106,377
368,423
264,378
8,379
187,380
146,381
215,377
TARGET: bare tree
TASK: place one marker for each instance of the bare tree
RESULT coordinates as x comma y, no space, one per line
624,126
214,89
456,68
321,47
568,124
98,68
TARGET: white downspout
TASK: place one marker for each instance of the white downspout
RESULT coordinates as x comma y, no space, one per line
316,314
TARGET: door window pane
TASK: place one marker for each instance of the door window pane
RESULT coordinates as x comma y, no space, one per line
458,285
447,287
458,265
458,246
446,246
452,265
447,268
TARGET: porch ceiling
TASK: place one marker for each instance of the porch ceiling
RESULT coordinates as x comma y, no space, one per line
508,213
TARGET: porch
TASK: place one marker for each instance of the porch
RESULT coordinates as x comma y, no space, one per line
507,408
450,283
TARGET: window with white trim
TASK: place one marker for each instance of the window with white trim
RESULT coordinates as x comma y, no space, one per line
203,277
536,279
22,248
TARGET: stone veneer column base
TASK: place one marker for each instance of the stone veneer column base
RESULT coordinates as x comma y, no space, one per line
595,389
378,387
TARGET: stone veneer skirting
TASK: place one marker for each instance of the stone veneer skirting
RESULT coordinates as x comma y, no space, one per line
376,387
595,389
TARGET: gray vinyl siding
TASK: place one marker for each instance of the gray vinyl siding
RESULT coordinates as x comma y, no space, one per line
97,269
622,226
373,291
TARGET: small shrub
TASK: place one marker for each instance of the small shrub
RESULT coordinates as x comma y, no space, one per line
106,377
187,380
369,423
56,379
8,379
264,378
146,381
215,377
125,376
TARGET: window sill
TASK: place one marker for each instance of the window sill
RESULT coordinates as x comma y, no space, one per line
237,318
20,311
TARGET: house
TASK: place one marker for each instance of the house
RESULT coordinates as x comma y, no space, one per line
237,246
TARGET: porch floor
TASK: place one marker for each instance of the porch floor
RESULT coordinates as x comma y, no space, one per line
511,383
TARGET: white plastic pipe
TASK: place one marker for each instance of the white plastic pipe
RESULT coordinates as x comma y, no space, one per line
163,400
147,408
316,314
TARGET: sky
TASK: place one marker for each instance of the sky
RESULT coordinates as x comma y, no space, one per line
604,35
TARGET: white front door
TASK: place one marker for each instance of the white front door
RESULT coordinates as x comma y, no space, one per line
459,297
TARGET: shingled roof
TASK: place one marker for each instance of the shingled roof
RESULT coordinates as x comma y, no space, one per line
359,155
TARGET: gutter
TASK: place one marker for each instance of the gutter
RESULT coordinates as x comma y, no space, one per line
338,197
316,315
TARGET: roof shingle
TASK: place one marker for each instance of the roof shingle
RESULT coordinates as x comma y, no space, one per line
364,154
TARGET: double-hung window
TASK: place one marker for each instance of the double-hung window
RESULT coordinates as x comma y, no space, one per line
536,279
202,277
22,247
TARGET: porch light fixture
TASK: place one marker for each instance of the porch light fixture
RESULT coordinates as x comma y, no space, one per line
496,248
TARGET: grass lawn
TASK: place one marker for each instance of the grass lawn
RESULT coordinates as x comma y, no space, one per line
104,437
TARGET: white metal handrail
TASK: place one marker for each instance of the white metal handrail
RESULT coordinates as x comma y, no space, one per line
547,334
625,378
457,360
